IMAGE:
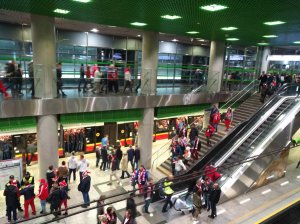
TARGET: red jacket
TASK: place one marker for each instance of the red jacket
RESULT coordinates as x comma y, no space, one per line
216,118
43,192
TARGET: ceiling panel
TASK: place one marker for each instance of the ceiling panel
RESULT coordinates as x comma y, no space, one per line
247,15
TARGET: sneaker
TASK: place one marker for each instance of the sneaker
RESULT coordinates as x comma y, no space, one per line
211,216
41,212
109,184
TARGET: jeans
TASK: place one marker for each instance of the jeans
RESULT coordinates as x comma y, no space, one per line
136,164
147,204
11,210
86,198
97,161
43,205
213,208
167,202
74,174
103,164
206,200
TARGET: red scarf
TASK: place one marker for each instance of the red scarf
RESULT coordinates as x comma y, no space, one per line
141,176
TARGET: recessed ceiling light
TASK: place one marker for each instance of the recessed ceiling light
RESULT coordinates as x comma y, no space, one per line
296,42
274,23
270,36
229,28
61,11
94,30
161,41
232,39
192,32
201,40
174,40
112,26
139,35
138,24
263,44
82,1
213,7
171,17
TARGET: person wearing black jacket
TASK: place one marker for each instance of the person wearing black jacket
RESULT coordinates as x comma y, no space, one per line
104,158
84,187
214,198
98,155
119,155
54,200
130,153
130,204
59,79
137,157
28,192
49,176
11,194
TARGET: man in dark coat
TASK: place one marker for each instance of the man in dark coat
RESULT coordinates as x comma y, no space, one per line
54,200
137,157
11,194
214,198
104,158
84,187
130,204
119,155
130,153
50,174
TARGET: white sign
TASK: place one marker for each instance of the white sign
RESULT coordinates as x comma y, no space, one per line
10,167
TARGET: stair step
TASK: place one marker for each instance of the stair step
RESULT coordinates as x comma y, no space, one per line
164,171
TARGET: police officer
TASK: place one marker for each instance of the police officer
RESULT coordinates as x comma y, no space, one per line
168,192
27,179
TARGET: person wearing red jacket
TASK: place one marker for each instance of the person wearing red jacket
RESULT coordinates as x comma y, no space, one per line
211,172
43,194
208,134
3,90
216,117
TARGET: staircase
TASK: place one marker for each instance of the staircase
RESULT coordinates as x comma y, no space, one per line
241,114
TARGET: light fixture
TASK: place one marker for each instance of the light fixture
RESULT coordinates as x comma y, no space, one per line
94,30
213,7
139,35
296,42
229,28
245,201
263,44
61,11
274,23
171,17
174,40
82,1
138,24
201,40
284,183
232,39
112,26
266,192
161,41
192,32
270,36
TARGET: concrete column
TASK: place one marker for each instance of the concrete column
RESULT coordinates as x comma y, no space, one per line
216,66
47,143
149,62
44,56
145,135
264,59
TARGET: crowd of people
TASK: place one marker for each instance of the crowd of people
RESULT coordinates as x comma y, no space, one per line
186,145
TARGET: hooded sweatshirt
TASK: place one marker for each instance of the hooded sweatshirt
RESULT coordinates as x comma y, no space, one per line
43,190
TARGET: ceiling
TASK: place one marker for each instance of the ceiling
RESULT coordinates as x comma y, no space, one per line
247,15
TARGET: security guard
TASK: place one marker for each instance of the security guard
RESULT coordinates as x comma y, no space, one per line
27,179
11,180
168,192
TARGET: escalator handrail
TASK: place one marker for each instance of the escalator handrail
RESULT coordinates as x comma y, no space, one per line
252,129
243,94
209,156
263,131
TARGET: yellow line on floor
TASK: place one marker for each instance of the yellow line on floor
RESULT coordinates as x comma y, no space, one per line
277,211
264,206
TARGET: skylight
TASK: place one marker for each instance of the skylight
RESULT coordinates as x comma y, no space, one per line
61,11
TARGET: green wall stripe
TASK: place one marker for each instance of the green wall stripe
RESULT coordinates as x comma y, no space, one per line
9,124
163,112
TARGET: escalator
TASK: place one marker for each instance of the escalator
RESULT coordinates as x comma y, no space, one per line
269,129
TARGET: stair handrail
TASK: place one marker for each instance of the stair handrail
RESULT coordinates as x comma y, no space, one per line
159,150
243,94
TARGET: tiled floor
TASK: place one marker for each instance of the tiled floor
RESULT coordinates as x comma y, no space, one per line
232,211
